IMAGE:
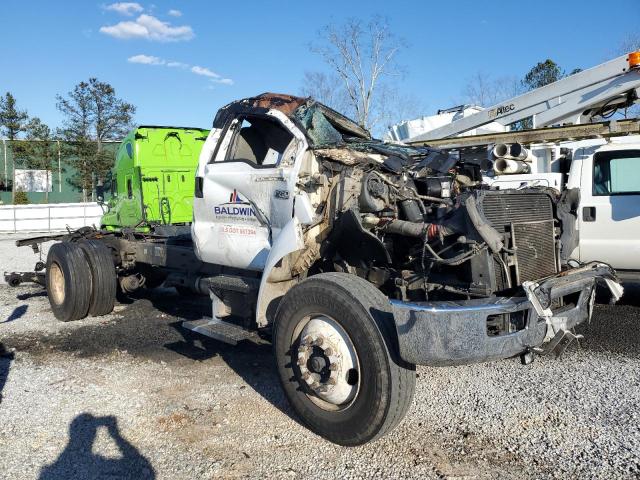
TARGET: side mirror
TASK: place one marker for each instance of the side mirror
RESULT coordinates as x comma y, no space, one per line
100,193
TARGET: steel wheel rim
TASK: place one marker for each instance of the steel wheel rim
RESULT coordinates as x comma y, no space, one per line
56,283
325,362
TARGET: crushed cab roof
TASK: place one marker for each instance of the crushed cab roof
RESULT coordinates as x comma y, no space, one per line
293,107
328,130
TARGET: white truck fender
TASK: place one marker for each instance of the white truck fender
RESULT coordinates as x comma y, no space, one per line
288,241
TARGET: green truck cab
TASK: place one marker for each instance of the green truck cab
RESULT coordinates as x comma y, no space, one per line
153,178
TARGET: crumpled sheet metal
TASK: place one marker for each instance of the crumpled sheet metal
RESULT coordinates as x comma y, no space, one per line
344,155
287,104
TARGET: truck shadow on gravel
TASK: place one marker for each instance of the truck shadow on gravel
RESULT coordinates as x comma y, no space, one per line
79,461
149,326
250,361
253,362
32,294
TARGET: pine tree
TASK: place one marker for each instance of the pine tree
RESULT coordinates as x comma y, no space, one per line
12,120
543,73
20,198
93,115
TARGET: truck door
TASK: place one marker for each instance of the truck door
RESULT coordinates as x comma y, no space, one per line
177,200
129,206
247,190
609,215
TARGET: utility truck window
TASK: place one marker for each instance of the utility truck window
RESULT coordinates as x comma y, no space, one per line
259,141
616,173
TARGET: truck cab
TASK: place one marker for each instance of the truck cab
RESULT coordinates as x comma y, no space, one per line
608,176
246,187
152,181
600,179
327,232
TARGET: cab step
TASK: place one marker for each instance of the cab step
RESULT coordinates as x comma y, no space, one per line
220,330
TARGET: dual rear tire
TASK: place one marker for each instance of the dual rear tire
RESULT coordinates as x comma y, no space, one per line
80,279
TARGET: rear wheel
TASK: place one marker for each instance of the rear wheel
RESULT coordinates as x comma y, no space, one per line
336,352
103,277
68,281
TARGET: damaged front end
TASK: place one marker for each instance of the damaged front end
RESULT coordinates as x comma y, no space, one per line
472,274
539,319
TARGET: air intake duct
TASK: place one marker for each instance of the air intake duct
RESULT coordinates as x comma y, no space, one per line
506,166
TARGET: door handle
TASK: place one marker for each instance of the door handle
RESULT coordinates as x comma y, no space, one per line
199,187
588,214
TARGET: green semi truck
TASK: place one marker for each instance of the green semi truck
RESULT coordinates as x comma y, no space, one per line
153,178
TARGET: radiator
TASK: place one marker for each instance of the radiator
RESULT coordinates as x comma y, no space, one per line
528,218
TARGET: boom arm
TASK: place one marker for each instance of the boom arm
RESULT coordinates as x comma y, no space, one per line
574,99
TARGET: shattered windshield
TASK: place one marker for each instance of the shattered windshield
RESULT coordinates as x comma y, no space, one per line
320,131
327,128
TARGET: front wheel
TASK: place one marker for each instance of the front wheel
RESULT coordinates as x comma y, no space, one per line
336,352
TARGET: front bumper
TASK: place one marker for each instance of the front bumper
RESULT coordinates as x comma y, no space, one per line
455,333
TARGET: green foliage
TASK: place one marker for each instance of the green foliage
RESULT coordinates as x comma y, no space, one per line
81,155
12,120
542,74
93,115
38,151
20,198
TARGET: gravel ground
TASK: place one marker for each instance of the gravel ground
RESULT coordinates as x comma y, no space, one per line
14,259
133,395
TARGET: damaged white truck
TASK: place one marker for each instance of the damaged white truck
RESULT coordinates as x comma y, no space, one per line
360,259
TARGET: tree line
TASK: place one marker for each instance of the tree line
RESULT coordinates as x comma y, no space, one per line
92,115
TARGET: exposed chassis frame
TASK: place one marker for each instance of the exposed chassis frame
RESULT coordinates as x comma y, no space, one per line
429,333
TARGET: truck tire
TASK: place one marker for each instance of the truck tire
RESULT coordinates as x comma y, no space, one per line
336,352
103,277
68,281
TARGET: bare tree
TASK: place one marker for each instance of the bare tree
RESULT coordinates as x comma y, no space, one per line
507,87
485,91
479,90
326,89
395,107
361,55
630,43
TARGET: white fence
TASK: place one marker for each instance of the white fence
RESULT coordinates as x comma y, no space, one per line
49,217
